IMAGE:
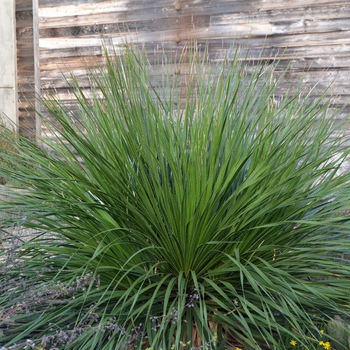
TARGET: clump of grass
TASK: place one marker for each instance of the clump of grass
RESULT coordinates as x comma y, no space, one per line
211,218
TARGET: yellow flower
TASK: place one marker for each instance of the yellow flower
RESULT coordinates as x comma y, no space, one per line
293,342
237,348
321,342
327,345
322,331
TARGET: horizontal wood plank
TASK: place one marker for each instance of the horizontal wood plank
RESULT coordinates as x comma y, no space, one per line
310,37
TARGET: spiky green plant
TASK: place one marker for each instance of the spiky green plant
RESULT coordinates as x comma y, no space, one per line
172,216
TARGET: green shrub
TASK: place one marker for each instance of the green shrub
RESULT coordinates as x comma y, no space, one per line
212,218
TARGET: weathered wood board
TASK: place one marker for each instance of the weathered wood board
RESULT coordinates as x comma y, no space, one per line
25,67
312,37
8,86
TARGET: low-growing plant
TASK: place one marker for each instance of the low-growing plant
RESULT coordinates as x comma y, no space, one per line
190,213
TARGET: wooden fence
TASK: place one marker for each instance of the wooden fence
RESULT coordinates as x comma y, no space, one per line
55,37
8,89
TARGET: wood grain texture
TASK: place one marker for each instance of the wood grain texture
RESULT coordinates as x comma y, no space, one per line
36,56
8,85
25,67
311,37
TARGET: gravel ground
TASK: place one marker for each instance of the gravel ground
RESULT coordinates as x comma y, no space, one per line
12,236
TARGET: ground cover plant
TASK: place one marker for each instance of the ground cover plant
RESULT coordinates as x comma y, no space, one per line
179,216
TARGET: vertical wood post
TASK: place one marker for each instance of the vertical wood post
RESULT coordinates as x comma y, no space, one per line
36,65
8,62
